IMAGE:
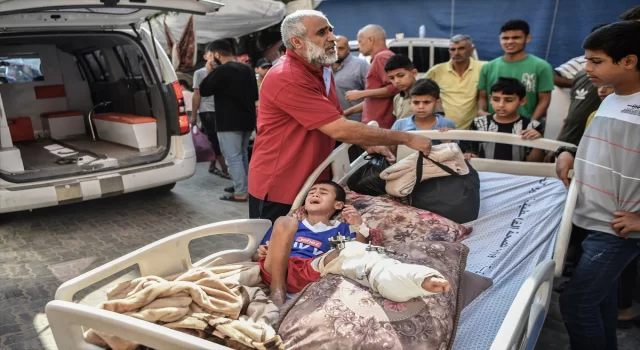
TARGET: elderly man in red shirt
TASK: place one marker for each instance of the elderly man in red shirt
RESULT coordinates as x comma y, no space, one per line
379,93
300,118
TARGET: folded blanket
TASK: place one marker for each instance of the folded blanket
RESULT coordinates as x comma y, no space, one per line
401,177
217,303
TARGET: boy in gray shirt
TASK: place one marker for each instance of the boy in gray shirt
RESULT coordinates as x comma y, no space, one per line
206,109
607,178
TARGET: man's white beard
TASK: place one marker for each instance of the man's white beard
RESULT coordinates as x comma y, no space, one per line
317,55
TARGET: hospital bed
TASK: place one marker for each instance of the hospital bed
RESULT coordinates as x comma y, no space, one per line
523,266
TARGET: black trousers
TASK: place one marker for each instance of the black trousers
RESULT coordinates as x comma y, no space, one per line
209,122
264,209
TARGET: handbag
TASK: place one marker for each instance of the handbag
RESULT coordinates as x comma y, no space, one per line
366,180
455,197
204,151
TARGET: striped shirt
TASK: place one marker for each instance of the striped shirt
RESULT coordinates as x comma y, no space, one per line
606,165
570,68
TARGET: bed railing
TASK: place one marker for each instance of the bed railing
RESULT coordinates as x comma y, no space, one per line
341,169
519,331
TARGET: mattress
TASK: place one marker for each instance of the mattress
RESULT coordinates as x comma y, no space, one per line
516,230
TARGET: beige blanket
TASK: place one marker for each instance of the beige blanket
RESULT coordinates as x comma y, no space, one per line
401,177
216,303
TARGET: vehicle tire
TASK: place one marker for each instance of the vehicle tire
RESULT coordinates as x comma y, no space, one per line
162,189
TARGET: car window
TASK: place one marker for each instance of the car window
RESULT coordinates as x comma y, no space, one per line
129,57
97,65
420,56
24,68
440,55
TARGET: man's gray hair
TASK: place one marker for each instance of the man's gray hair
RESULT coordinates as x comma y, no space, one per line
292,25
462,37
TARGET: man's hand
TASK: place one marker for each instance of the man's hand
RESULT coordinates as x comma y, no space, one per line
351,215
353,95
382,150
211,65
419,143
470,155
444,129
193,120
625,223
530,134
564,163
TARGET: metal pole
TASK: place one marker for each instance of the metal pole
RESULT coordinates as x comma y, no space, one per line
453,11
553,26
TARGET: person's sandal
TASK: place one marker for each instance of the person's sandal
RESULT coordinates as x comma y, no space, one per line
229,189
218,172
232,198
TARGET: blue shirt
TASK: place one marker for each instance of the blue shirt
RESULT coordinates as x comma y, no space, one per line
313,241
408,124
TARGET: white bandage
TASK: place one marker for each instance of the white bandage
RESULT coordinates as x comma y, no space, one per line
388,277
363,229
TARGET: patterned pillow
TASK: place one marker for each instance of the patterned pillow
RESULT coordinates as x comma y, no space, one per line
391,222
338,313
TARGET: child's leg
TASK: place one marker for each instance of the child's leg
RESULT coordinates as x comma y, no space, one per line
277,260
390,278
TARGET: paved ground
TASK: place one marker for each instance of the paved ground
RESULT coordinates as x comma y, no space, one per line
39,250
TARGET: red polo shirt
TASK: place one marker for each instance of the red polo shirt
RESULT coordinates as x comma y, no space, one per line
288,147
379,109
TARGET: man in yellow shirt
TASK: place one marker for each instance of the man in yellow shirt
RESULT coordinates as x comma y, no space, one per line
458,81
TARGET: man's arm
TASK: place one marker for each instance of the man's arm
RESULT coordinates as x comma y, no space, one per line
561,81
195,101
354,109
383,92
212,82
352,132
482,103
544,99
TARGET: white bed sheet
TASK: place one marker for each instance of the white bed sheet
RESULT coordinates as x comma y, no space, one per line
516,230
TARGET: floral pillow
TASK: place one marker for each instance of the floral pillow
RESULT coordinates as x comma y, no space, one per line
391,222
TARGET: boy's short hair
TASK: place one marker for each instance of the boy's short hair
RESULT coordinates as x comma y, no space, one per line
341,195
424,87
509,86
632,14
617,40
184,83
399,61
220,46
515,24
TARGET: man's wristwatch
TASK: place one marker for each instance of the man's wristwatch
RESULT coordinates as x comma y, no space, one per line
563,149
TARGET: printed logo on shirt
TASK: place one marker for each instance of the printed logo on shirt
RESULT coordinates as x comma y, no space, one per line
633,109
581,94
529,81
309,241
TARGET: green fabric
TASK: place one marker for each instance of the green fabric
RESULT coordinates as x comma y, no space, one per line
535,73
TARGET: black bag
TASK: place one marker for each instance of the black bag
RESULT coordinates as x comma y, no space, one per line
366,180
455,197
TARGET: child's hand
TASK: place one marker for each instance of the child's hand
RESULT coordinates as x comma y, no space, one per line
351,215
530,134
468,156
262,250
444,129
625,223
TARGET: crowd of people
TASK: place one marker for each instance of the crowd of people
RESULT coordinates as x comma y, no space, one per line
317,93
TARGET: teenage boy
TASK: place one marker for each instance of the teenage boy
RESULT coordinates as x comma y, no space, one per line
535,73
425,97
507,95
607,176
402,74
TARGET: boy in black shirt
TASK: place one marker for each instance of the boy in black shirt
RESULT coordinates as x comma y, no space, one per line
507,94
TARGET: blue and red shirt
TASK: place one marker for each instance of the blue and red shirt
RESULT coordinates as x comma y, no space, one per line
312,241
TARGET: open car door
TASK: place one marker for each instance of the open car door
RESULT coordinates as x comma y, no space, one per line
17,15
